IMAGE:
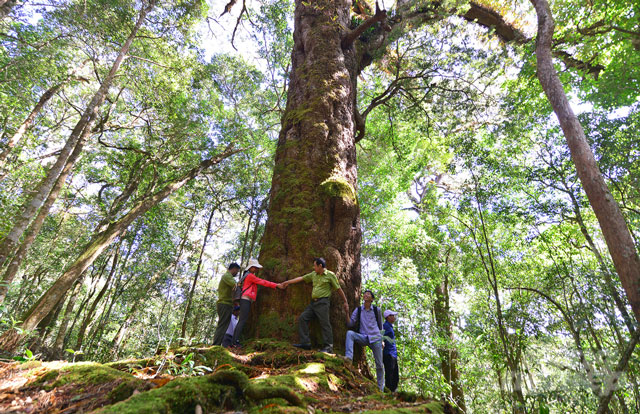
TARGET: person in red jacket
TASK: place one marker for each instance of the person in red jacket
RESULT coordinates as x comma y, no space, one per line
249,293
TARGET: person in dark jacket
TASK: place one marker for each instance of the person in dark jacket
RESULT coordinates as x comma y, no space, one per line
390,352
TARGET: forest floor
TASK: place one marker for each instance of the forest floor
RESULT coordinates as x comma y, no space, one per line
265,377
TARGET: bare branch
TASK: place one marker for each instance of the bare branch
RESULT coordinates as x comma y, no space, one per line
228,7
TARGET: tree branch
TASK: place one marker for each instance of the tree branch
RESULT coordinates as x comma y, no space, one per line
350,37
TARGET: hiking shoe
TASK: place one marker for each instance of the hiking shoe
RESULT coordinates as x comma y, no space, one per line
327,349
303,346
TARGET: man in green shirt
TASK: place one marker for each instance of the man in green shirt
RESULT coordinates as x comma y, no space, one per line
225,301
324,282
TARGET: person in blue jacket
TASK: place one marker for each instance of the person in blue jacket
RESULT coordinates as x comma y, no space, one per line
389,352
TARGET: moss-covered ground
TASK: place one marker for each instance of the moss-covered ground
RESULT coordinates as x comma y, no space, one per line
267,376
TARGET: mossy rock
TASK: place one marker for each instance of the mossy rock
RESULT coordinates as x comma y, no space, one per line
432,407
179,396
81,377
130,364
271,377
227,389
80,373
267,344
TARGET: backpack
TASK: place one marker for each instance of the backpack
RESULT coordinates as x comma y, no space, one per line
238,291
356,326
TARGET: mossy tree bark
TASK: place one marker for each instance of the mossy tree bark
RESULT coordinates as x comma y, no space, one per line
313,210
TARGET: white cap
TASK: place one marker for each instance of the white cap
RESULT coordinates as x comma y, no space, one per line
254,263
389,313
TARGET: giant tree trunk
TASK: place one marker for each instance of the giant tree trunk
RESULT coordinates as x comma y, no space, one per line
313,209
612,223
79,133
99,242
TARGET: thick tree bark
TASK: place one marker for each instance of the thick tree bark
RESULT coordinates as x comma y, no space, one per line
80,132
612,223
100,241
313,209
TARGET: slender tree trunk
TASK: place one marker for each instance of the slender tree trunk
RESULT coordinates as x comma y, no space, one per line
94,278
25,286
612,384
612,223
256,226
99,242
15,138
119,336
98,328
35,227
313,209
58,344
5,7
92,309
187,309
79,133
26,124
45,325
244,259
449,353
512,356
611,287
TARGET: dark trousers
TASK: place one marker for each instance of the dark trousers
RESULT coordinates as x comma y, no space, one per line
227,341
391,375
245,309
316,309
224,317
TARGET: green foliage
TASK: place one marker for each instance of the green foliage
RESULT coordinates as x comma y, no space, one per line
465,184
181,365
